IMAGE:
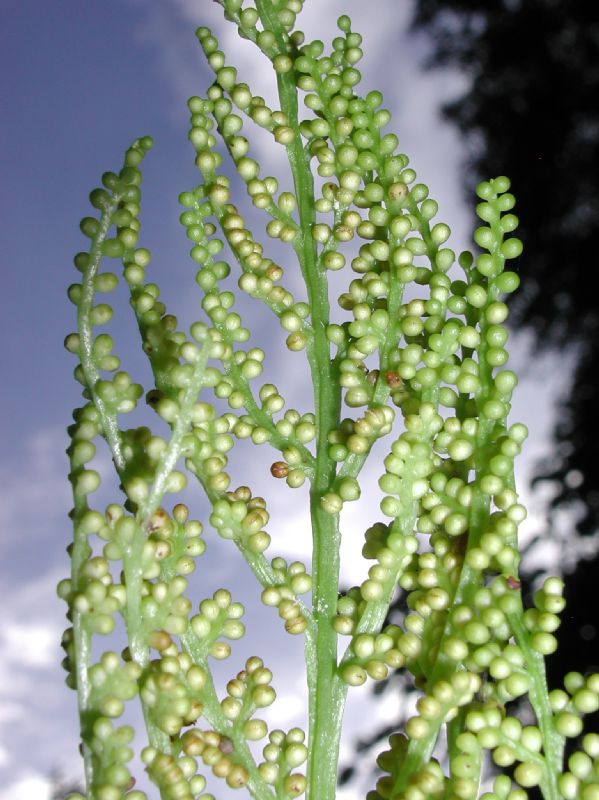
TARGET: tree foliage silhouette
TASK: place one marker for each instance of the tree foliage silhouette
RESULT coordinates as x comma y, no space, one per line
62,787
531,110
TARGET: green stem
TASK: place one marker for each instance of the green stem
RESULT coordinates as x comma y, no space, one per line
454,728
132,558
375,613
82,642
110,429
258,415
136,628
81,633
257,562
214,715
420,750
326,689
538,694
109,423
174,449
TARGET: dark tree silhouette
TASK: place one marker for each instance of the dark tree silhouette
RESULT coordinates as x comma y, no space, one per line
61,787
532,111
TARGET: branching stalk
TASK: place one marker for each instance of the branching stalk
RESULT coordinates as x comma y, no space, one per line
419,367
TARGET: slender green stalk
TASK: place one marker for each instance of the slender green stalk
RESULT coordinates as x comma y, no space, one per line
213,714
82,643
86,339
420,362
326,693
553,742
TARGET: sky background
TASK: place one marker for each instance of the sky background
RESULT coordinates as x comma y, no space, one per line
79,81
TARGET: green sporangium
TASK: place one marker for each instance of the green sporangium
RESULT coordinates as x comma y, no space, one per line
417,367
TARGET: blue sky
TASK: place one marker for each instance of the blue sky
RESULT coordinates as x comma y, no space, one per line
79,81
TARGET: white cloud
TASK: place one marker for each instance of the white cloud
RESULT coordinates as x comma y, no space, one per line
37,715
29,645
9,711
34,497
33,492
30,787
289,709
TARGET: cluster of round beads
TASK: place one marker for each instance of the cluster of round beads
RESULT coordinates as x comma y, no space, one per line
437,354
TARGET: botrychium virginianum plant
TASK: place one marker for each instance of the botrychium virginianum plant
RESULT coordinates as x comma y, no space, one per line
418,361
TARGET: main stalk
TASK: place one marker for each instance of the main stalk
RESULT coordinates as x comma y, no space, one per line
326,690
